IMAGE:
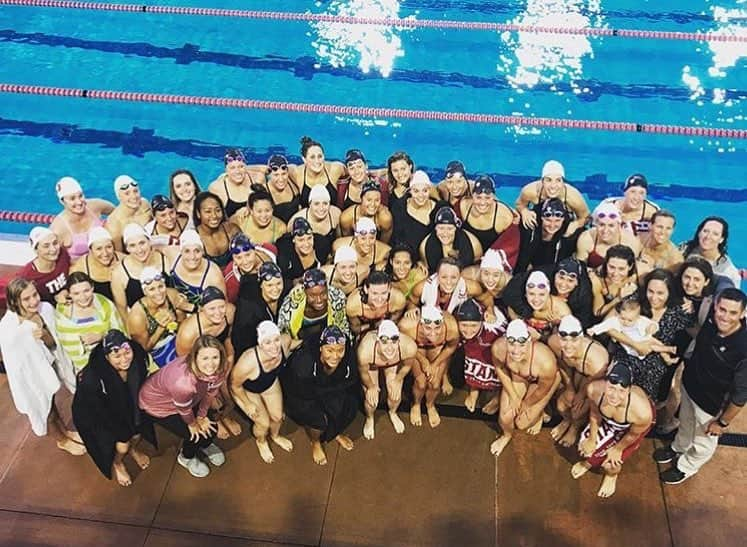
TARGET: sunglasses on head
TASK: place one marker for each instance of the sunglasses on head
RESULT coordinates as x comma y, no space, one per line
436,322
334,340
158,277
553,214
569,334
242,248
611,216
366,232
123,346
569,275
386,339
126,185
541,286
276,168
519,340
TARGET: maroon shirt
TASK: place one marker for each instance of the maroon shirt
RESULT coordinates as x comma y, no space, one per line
48,284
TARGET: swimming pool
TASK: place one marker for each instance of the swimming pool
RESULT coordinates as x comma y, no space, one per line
611,78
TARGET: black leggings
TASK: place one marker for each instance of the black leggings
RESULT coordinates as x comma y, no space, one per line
178,426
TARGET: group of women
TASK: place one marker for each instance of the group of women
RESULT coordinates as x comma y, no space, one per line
309,289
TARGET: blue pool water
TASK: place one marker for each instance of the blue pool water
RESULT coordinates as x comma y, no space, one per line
644,81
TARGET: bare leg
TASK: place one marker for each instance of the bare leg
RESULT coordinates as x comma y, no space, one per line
231,424
119,471
141,459
273,398
446,387
394,398
491,407
559,431
418,392
317,450
58,431
261,428
430,406
369,409
609,482
506,421
470,401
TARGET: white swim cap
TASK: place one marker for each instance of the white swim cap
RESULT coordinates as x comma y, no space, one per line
431,313
517,329
99,233
267,329
420,178
67,186
537,279
133,231
495,258
553,167
345,254
122,182
319,193
365,224
607,209
37,234
570,324
189,238
149,274
387,328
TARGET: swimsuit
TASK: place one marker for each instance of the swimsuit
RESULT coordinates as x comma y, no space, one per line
222,259
306,190
374,366
479,371
264,381
221,336
594,260
164,350
104,288
192,292
485,237
79,240
134,290
231,205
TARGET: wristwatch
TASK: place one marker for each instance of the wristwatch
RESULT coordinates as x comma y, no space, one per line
722,424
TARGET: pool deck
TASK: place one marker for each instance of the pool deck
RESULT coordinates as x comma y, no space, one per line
426,487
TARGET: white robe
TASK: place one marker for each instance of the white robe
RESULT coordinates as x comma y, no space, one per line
34,373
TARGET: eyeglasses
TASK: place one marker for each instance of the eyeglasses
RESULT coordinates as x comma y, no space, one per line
334,340
386,339
519,340
126,185
553,214
541,286
242,248
611,216
572,334
570,275
276,168
157,277
366,232
436,322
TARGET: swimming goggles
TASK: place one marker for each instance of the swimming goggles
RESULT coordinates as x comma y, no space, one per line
520,340
128,184
244,247
436,322
569,334
366,232
332,340
276,168
541,286
123,346
553,214
148,281
573,276
611,216
160,203
385,338
266,274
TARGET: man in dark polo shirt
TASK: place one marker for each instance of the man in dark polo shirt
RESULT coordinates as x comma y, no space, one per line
714,388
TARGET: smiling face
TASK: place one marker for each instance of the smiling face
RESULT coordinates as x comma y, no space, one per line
75,203
537,297
192,257
316,298
121,358
184,188
138,248
401,265
211,213
401,171
370,203
661,230
331,355
130,197
81,294
615,394
551,225
261,212
389,347
483,202
565,282
490,277
279,177
419,194
314,159
155,291
608,229
215,311
346,271
727,315
552,185
272,289
319,209
635,196
365,242
236,171
103,252
378,295
693,282
166,218
304,244
516,350
469,329
657,294
448,277
456,185
29,300
711,235
446,233
49,248
617,269
358,171
208,361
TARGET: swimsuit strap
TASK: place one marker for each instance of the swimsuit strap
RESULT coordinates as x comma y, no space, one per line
495,215
259,365
627,407
124,267
355,214
324,168
531,358
205,274
373,361
199,325
583,361
469,210
163,263
88,268
176,263
225,187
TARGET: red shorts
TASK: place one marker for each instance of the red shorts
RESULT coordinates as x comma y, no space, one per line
600,453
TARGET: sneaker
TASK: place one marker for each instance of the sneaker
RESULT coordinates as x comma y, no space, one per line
665,454
195,467
673,476
214,454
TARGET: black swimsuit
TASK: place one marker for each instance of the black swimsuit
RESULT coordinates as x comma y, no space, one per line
306,190
134,290
231,205
221,336
285,210
104,288
485,237
223,259
264,381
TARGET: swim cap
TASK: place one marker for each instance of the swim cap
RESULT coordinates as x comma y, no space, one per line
517,329
537,279
277,161
469,310
188,238
353,155
553,167
123,182
233,155
99,233
67,186
319,193
570,265
446,215
570,324
133,231
431,313
370,186
314,278
620,374
345,254
159,203
455,167
113,341
267,329
420,178
387,328
607,209
484,185
269,270
149,274
37,234
211,293
495,258
364,225
300,227
240,243
332,335
552,206
635,180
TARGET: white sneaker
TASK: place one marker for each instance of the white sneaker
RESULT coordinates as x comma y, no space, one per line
195,467
214,454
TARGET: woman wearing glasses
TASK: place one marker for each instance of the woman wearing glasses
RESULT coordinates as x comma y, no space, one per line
449,239
371,252
485,216
100,261
607,231
283,191
553,237
321,390
192,272
167,225
256,390
133,208
155,319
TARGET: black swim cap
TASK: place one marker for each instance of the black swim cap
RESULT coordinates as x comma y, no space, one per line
353,155
446,215
370,186
211,293
469,310
635,180
276,160
455,167
620,374
484,185
570,265
300,227
113,340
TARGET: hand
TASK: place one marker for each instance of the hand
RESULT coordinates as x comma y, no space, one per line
687,305
252,412
614,456
194,431
207,426
372,396
412,314
62,297
713,429
629,288
578,402
163,316
586,448
514,406
534,333
528,218
36,331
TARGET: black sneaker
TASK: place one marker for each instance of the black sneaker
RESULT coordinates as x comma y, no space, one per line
665,454
672,476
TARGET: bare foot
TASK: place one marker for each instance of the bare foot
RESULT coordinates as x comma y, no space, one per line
74,436
570,437
68,445
317,452
222,432
446,387
398,424
559,431
141,459
491,407
535,428
121,475
368,428
609,483
283,442
416,418
433,418
580,468
233,426
470,401
497,446
264,451
345,442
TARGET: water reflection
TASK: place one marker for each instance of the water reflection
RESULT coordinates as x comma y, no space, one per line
372,47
